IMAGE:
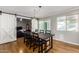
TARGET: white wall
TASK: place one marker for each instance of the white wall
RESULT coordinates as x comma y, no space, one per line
7,28
65,36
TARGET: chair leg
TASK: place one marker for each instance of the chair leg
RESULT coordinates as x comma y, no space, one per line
30,44
33,48
42,48
24,40
39,49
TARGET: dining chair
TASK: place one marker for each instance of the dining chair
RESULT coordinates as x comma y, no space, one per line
38,43
48,31
36,30
28,39
41,31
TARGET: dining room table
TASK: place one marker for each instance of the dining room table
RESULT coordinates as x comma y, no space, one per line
49,38
46,37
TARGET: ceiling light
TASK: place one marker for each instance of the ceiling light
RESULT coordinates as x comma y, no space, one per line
39,7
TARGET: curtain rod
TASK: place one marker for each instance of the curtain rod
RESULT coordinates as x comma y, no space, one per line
14,14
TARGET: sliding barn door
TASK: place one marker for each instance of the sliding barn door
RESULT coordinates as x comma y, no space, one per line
0,28
8,28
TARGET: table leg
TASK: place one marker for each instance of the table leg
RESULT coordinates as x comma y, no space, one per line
51,41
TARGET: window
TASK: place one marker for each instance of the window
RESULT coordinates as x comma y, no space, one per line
41,25
44,25
72,24
68,23
61,23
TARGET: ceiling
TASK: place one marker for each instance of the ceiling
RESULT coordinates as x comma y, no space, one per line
42,12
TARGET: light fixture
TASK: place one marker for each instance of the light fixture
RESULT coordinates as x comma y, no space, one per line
35,11
39,6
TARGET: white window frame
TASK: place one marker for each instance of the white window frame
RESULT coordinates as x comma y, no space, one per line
66,28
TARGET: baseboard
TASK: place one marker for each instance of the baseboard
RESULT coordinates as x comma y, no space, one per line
67,43
8,42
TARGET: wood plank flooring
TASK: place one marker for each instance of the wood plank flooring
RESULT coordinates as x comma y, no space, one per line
61,47
19,47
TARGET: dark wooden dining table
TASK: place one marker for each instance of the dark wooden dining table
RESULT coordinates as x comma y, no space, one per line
46,37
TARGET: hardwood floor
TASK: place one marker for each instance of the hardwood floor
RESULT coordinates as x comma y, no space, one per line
19,47
61,47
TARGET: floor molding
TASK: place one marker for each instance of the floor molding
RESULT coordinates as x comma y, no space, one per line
8,42
67,43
